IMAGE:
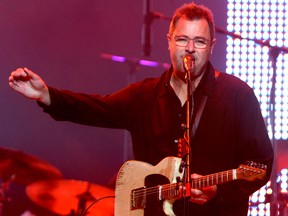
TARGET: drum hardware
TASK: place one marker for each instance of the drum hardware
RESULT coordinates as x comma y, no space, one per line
19,167
71,197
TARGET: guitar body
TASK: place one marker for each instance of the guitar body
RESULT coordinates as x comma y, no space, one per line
132,175
138,185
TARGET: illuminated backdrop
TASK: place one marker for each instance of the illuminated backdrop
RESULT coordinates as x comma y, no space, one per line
264,24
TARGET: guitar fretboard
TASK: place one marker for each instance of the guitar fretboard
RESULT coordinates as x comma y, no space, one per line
213,179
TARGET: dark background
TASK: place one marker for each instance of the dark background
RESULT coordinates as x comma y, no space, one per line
63,41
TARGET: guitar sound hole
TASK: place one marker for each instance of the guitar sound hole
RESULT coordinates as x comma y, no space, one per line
153,204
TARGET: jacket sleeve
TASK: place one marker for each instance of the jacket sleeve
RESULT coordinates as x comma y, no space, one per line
253,144
111,111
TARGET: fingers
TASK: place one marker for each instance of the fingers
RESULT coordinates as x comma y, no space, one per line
21,74
203,195
197,196
29,73
195,176
19,77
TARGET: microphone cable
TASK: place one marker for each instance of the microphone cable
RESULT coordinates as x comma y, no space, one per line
94,202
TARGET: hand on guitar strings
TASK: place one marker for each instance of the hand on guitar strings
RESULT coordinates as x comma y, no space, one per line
203,195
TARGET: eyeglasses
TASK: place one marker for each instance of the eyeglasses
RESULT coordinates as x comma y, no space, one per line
199,43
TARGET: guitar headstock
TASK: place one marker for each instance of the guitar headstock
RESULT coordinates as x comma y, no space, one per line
251,171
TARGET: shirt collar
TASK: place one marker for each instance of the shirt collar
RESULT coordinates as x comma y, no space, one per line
207,83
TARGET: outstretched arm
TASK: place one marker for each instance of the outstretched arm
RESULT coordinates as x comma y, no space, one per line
30,85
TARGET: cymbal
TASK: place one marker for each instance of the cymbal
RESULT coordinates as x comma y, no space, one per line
64,196
22,168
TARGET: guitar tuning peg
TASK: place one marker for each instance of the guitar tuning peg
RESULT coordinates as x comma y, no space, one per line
264,167
256,165
250,163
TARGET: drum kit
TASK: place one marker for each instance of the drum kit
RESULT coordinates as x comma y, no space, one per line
46,187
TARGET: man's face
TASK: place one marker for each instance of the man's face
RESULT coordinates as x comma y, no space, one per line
190,29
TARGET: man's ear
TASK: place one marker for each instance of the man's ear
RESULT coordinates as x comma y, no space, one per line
212,46
168,40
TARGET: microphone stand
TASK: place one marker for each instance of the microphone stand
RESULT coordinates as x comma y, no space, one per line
146,37
149,17
187,135
273,54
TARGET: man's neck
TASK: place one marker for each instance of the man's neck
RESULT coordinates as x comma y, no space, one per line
180,86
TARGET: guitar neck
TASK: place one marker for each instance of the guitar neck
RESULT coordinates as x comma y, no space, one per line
214,179
168,191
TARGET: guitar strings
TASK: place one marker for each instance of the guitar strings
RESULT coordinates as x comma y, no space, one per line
198,183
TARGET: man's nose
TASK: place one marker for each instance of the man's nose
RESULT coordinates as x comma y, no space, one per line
190,46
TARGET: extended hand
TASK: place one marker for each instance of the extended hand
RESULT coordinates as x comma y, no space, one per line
30,85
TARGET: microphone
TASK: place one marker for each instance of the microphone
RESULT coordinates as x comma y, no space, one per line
146,29
188,63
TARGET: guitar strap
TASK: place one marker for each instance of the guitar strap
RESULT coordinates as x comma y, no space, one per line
201,108
199,114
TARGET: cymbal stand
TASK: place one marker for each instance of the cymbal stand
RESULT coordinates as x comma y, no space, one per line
184,144
3,192
83,198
